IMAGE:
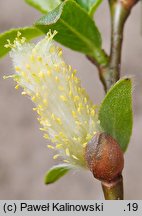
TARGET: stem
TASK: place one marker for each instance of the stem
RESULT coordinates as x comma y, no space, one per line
109,68
113,190
119,16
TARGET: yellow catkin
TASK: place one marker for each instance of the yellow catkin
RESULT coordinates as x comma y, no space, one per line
66,115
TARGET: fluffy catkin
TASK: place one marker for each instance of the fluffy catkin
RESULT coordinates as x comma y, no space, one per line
65,112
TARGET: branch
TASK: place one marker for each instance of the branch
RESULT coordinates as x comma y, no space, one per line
109,67
120,11
119,16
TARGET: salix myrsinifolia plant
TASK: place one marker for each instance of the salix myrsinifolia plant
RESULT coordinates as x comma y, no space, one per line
81,134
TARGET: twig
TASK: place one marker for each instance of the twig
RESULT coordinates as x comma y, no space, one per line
109,72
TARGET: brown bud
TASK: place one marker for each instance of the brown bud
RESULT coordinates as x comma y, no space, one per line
104,157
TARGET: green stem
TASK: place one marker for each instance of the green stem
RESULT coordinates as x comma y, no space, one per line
113,190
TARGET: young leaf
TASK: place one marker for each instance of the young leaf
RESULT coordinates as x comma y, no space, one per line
76,29
115,113
56,172
27,32
89,5
44,6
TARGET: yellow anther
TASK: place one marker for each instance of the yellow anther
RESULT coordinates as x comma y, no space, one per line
58,146
66,161
41,74
32,58
59,121
40,107
74,72
74,157
34,98
39,58
28,66
46,136
85,100
84,144
48,73
76,80
50,147
70,68
57,79
61,88
37,95
79,110
9,45
92,112
74,114
23,39
60,53
42,129
66,140
70,93
80,105
38,112
61,135
45,102
52,116
47,123
88,137
78,123
18,34
76,98
56,156
75,138
23,74
17,87
52,49
94,132
57,68
63,98
17,68
67,152
68,78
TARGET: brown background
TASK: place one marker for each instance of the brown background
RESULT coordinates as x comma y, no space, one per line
24,157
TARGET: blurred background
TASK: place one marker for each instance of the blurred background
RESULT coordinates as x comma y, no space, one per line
24,158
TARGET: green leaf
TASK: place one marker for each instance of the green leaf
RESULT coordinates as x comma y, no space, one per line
89,5
27,32
76,29
44,6
56,172
115,113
